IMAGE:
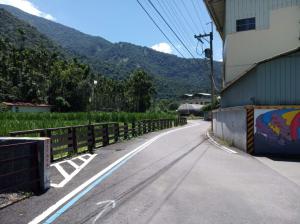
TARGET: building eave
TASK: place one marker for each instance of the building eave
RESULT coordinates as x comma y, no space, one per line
243,74
216,9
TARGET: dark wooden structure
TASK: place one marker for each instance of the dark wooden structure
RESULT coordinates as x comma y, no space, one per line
68,141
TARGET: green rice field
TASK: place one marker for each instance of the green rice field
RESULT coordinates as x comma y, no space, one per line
27,121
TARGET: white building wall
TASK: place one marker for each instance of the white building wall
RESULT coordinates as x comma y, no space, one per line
260,9
277,31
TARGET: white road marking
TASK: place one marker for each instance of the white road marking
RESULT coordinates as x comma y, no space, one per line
62,171
224,148
109,203
67,176
81,158
84,185
73,164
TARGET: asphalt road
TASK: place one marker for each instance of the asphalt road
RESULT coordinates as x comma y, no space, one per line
178,177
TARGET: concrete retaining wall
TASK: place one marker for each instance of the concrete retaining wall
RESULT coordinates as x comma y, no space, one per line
230,125
24,164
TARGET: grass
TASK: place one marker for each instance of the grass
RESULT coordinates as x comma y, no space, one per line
27,121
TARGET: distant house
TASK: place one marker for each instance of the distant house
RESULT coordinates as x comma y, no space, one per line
26,107
190,109
197,98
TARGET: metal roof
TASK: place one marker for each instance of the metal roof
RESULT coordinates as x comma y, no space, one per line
187,106
216,9
22,104
203,94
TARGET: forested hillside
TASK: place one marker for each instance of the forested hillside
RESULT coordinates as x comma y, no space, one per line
173,75
34,69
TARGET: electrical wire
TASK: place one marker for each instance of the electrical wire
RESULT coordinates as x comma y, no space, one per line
176,35
174,8
189,14
176,20
160,29
203,29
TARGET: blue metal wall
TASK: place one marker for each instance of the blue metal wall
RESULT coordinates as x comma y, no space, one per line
276,82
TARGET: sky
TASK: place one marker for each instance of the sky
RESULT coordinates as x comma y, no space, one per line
125,21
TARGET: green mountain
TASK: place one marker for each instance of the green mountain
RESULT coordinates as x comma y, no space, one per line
22,34
173,75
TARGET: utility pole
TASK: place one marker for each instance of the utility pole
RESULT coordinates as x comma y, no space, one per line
209,54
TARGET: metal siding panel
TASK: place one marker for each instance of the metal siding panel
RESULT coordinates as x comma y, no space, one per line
283,81
296,62
289,83
261,85
278,81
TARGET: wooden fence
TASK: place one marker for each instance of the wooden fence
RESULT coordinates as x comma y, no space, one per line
67,141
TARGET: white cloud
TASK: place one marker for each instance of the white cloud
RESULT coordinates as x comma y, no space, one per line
28,7
162,47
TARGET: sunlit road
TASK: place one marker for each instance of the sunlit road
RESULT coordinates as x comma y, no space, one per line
178,178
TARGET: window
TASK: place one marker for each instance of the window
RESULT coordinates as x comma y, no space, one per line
245,24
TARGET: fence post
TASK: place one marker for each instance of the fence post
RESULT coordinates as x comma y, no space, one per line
139,128
116,132
148,126
48,134
125,130
144,127
133,129
91,138
74,140
105,140
43,133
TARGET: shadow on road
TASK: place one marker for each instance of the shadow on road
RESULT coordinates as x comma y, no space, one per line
123,197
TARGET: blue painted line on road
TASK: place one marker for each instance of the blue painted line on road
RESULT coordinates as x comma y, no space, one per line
59,212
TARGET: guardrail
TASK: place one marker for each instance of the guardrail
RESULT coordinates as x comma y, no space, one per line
67,141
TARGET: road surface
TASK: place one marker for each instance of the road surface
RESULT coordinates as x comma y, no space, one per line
175,176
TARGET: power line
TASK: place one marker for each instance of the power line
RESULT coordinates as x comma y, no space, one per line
171,28
198,15
160,29
177,25
184,29
181,14
189,14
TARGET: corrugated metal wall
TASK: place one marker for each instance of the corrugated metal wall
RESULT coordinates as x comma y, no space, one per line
276,82
240,9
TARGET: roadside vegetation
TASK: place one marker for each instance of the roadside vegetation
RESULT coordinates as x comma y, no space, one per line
27,121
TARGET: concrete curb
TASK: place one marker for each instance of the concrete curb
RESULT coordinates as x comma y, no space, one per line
222,147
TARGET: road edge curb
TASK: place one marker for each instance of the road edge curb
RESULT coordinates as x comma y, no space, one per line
222,147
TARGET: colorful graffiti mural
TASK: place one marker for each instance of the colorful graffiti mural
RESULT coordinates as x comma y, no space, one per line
279,126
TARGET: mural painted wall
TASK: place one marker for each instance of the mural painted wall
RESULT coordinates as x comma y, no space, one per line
277,131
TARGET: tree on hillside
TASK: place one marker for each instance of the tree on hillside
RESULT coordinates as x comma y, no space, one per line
139,91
